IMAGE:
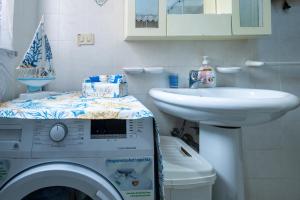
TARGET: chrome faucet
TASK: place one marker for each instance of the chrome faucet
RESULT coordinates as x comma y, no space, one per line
203,78
195,80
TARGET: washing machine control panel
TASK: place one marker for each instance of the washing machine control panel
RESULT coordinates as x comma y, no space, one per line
90,137
52,133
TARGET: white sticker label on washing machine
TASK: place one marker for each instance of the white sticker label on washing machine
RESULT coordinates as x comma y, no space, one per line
133,177
4,168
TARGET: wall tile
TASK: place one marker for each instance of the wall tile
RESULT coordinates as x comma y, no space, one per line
264,164
290,48
52,26
290,78
263,137
291,135
73,7
141,84
265,77
266,189
273,189
291,189
291,164
48,7
70,25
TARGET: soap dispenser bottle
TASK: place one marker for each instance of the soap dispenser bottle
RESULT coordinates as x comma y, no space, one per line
207,74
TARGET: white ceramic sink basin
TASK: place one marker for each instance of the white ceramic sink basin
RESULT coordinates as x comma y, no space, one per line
231,107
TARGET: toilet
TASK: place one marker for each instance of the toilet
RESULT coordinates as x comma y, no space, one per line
187,175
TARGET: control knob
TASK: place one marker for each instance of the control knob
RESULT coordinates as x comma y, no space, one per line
58,132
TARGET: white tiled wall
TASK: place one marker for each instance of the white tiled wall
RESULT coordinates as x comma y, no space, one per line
271,150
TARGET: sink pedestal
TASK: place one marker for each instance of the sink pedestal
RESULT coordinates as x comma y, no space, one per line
222,147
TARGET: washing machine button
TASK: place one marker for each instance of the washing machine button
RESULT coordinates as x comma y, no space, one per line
58,132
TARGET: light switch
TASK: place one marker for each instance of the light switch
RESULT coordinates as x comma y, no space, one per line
85,39
80,39
90,39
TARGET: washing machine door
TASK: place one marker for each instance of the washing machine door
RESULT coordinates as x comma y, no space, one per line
59,181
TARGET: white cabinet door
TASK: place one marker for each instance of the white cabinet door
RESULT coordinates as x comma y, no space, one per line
197,18
145,19
251,17
198,25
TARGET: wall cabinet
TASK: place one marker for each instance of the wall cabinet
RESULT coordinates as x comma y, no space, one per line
145,19
196,19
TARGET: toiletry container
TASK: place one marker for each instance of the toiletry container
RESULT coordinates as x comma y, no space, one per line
173,80
207,74
186,174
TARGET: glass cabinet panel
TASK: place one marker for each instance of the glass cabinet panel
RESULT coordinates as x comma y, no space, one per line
185,6
199,7
145,19
251,13
251,17
146,13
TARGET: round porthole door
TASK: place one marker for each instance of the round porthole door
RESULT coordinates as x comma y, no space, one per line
59,181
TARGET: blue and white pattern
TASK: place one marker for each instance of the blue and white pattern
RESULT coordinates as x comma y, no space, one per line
75,106
34,54
37,61
48,52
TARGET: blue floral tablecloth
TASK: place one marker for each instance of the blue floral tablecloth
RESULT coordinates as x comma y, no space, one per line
75,106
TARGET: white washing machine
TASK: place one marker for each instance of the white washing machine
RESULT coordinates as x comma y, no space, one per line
77,159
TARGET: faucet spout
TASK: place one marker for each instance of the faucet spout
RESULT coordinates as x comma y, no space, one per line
202,78
195,80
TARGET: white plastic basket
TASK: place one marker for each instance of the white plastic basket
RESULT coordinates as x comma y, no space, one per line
186,173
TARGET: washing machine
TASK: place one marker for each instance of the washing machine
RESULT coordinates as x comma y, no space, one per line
77,159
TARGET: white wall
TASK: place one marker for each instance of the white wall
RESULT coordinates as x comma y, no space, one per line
25,23
271,150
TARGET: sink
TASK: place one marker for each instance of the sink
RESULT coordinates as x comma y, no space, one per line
221,112
224,106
